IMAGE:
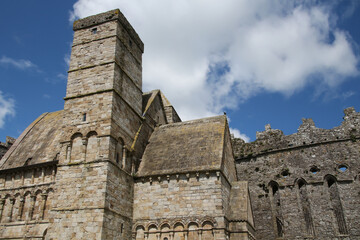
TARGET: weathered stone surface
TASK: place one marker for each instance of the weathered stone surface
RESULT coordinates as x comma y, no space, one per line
4,147
290,176
184,147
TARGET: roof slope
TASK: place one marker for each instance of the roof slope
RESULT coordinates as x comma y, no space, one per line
40,142
185,147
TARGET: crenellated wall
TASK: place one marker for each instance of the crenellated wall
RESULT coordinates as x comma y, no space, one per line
305,184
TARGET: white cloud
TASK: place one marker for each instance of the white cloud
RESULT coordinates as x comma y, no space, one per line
207,56
238,134
7,108
17,63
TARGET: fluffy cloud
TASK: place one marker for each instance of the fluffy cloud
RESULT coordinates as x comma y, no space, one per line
238,134
207,56
17,63
7,108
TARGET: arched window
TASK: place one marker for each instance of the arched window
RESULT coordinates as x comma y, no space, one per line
276,208
78,148
336,204
305,206
92,146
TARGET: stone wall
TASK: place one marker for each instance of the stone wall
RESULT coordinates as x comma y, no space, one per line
305,185
6,145
190,204
26,200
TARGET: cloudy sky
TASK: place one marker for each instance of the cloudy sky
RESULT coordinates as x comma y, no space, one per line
263,61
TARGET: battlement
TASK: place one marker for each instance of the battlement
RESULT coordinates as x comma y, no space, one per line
273,140
4,146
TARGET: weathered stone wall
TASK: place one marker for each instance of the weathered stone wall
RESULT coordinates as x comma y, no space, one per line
6,145
305,185
79,201
26,199
118,203
190,201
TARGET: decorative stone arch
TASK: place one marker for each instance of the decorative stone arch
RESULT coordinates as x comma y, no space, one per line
78,149
164,225
7,208
27,205
300,182
36,211
179,230
178,222
151,225
207,229
16,212
274,186
92,146
193,230
139,231
207,224
330,179
165,230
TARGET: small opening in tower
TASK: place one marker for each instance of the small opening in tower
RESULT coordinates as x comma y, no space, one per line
84,117
314,169
130,42
117,157
94,30
342,168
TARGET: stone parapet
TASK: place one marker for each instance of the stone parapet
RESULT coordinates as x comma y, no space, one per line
308,135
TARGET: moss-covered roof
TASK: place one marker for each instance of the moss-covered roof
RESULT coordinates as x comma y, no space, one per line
39,143
185,147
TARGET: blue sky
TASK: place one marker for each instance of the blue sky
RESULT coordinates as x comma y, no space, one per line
260,61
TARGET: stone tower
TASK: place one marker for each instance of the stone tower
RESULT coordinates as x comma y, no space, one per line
102,114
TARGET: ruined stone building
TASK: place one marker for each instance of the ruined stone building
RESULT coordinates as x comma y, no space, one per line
118,163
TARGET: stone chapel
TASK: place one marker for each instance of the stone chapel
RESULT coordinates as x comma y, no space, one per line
118,163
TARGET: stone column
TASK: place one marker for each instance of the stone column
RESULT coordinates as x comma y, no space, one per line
186,235
13,179
21,209
2,203
53,173
44,198
42,174
146,235
123,158
200,233
22,177
32,176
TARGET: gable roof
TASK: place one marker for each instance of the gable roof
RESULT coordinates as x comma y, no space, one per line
195,145
40,142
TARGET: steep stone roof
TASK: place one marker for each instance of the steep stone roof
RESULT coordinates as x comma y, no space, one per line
39,143
185,147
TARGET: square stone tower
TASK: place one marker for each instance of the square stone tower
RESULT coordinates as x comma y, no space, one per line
102,114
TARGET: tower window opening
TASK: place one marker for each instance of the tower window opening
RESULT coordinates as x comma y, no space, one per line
94,30
84,117
314,170
342,168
